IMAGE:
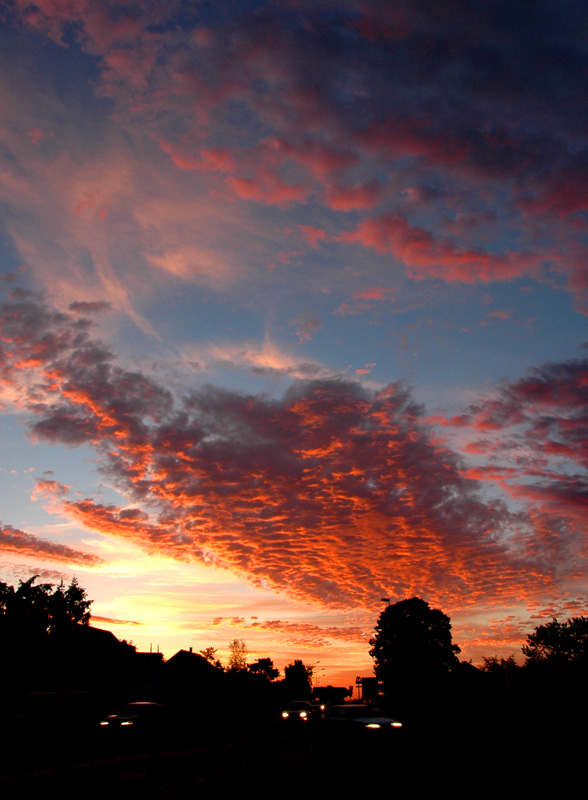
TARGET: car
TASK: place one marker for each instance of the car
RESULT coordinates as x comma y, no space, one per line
138,719
297,711
318,709
359,717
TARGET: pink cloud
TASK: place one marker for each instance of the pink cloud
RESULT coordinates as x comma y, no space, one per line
102,24
365,300
180,160
537,444
503,315
318,158
312,235
563,192
329,131
346,198
428,256
36,135
267,188
373,293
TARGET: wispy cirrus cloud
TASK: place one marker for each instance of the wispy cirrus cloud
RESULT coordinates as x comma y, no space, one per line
261,358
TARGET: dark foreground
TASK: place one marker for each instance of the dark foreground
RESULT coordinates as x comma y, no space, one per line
460,756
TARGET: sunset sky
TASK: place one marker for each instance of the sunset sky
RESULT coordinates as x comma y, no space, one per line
294,313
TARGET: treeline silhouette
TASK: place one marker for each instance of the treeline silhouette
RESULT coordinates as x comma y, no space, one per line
60,676
501,708
58,673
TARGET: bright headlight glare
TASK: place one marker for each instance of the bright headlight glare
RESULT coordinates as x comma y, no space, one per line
303,714
128,722
397,724
373,725
285,714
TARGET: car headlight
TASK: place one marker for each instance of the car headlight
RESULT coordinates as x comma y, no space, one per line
397,724
285,715
303,714
127,722
373,725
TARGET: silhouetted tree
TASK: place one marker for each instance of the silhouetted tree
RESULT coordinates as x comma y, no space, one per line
495,665
36,609
209,654
555,671
504,673
238,656
69,605
412,648
44,635
264,666
558,643
298,680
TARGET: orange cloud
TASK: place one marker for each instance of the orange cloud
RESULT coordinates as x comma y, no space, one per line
26,544
333,493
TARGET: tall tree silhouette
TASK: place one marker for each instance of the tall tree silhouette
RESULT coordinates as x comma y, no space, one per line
298,680
412,648
238,656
